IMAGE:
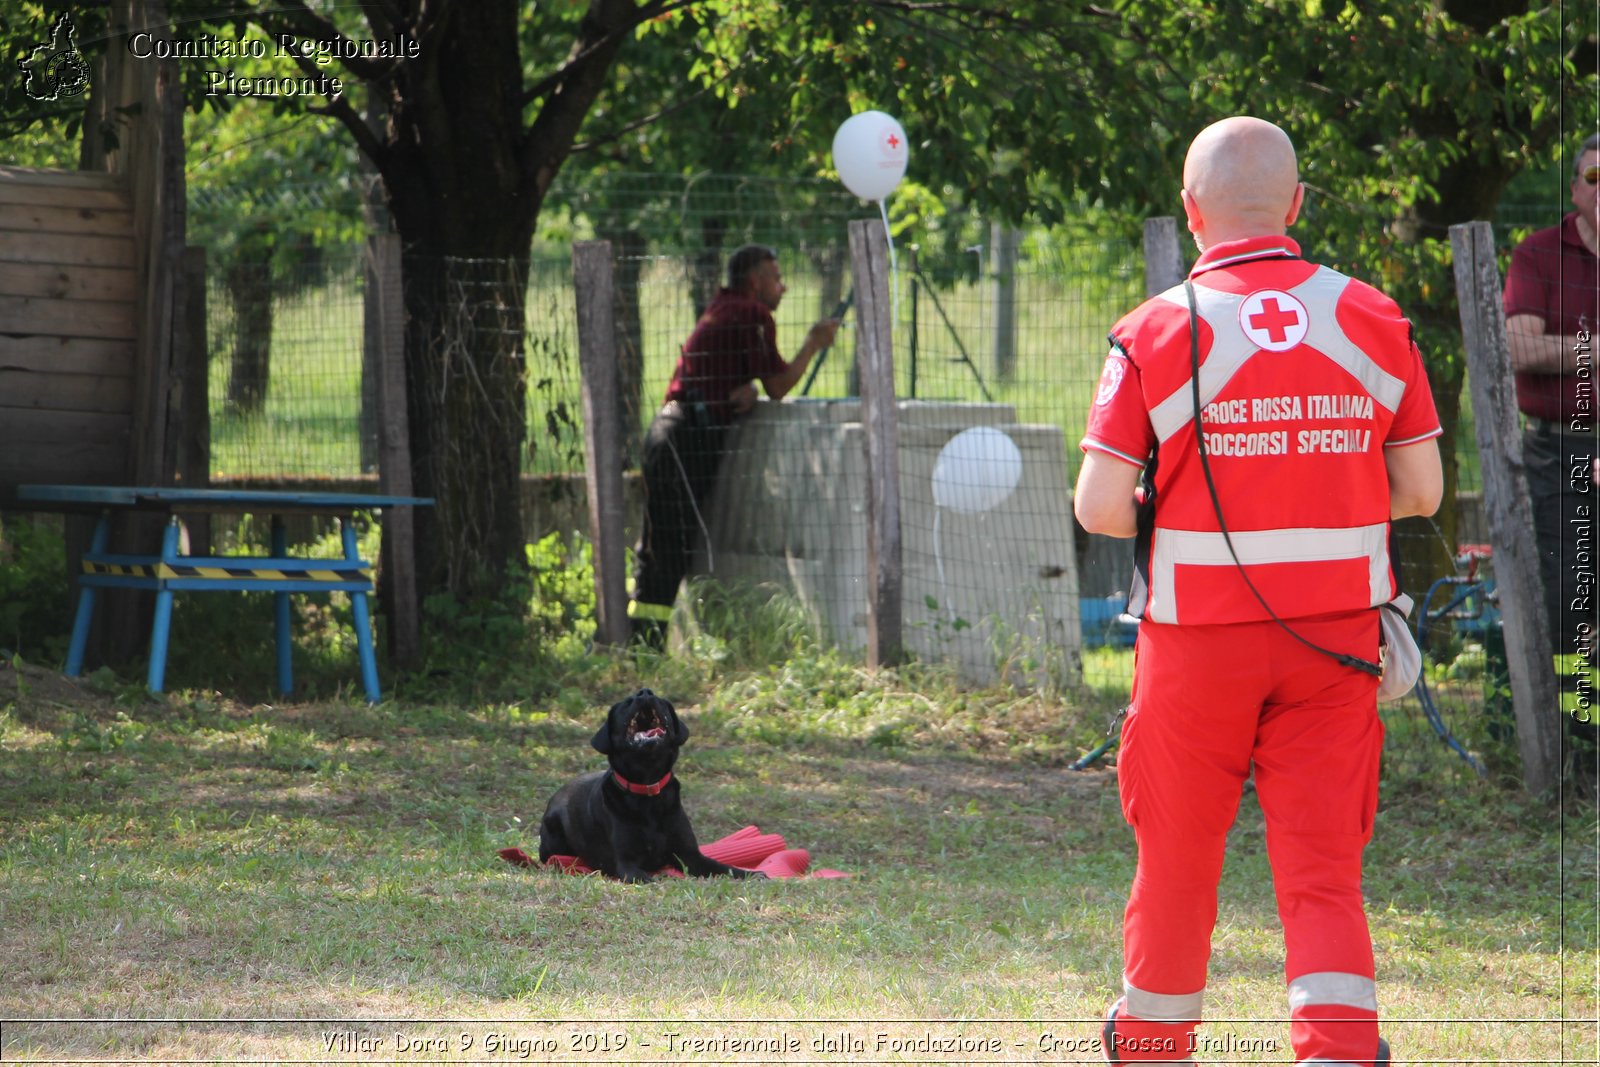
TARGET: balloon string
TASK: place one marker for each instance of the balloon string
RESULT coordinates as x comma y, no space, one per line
938,564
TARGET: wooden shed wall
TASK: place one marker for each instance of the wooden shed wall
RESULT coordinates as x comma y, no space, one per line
68,287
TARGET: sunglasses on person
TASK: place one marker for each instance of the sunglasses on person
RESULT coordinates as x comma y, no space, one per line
1591,174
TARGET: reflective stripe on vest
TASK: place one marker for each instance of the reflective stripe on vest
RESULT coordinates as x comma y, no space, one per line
1339,988
1231,349
1202,548
1161,1007
640,609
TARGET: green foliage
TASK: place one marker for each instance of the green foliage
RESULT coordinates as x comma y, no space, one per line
43,133
271,191
33,590
527,639
740,625
561,571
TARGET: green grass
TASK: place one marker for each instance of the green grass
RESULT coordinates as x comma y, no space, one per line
199,857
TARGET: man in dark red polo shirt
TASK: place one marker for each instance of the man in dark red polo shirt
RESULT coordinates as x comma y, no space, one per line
1552,305
734,345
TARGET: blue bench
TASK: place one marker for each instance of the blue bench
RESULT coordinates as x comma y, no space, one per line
169,571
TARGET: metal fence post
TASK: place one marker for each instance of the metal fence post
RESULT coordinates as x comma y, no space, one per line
594,281
869,259
1507,504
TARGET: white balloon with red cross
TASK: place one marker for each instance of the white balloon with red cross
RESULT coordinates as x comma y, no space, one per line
870,153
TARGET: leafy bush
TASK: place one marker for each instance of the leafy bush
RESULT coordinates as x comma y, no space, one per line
33,590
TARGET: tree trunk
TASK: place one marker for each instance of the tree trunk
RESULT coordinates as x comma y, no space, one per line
466,380
375,209
464,205
466,175
249,283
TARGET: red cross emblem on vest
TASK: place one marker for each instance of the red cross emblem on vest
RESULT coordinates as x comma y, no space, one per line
1274,320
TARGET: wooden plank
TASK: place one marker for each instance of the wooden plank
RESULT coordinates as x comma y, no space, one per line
22,427
1508,506
68,189
66,392
869,258
81,463
67,282
594,279
398,574
38,218
54,178
67,248
67,318
66,355
53,446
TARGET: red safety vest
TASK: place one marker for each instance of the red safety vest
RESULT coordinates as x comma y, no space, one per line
1305,377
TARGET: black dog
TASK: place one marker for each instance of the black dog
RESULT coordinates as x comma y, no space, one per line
628,821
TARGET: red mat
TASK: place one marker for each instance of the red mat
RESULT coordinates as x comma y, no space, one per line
748,848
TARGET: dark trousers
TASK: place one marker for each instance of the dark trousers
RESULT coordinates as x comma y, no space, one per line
682,454
1564,522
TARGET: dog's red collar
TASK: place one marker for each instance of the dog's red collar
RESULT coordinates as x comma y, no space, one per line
642,790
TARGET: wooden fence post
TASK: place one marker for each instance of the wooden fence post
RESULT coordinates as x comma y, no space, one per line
1507,505
1163,261
1106,564
603,444
399,546
1006,240
869,259
192,439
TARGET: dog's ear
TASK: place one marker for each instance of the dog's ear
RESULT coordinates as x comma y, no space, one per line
602,738
680,731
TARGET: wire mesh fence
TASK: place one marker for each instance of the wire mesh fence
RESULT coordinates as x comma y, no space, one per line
1004,332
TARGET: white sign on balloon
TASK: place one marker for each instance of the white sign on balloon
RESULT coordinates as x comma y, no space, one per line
870,153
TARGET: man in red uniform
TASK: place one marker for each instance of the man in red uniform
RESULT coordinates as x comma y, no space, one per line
1319,427
734,344
1552,305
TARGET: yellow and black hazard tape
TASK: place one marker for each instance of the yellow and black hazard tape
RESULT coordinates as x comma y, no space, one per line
168,570
120,570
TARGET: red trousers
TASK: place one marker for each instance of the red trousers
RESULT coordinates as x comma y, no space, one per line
1211,703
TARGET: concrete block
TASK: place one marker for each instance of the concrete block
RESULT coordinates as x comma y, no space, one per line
994,593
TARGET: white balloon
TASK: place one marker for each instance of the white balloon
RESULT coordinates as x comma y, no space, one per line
870,153
976,470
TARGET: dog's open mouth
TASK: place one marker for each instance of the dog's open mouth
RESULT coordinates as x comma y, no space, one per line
646,726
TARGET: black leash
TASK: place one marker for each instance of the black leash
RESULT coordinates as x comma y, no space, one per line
816,364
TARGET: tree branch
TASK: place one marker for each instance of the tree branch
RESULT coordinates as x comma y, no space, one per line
639,124
385,18
555,80
339,108
294,15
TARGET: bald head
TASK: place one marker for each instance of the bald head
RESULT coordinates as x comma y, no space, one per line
1240,179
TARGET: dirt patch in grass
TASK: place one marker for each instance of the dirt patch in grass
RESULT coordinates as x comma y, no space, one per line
47,699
